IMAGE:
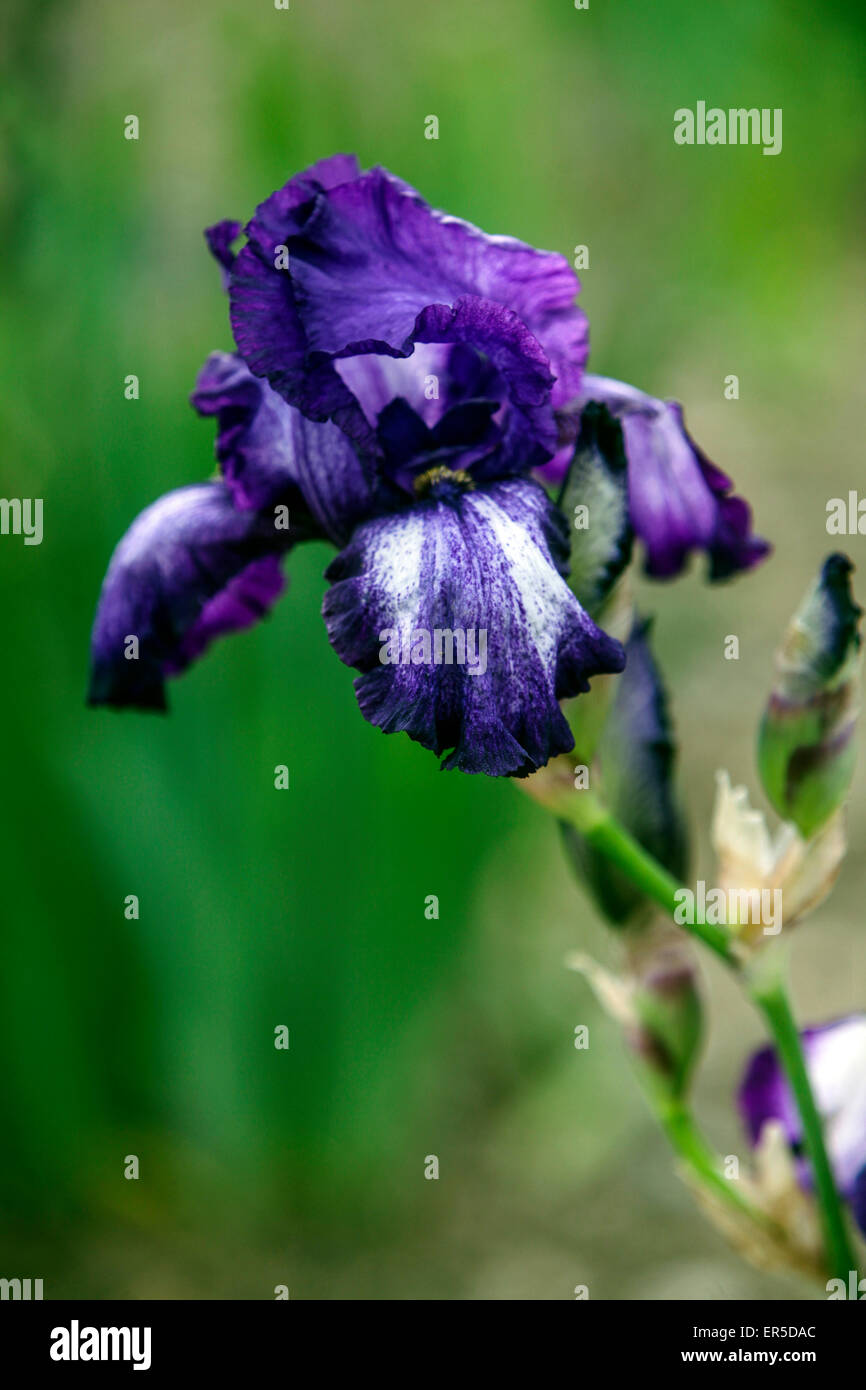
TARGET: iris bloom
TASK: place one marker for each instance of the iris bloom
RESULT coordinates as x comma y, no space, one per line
399,379
836,1061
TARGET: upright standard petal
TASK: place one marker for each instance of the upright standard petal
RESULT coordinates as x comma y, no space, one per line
504,340
836,1061
265,446
456,613
679,500
365,259
190,568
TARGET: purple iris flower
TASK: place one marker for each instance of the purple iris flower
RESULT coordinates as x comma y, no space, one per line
678,500
395,386
836,1061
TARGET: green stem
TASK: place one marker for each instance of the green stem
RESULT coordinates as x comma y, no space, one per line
767,990
696,1154
604,832
771,997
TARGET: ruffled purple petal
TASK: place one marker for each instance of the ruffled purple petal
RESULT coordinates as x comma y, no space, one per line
190,568
245,598
265,446
254,442
503,338
284,210
267,327
373,270
679,500
371,254
836,1061
477,573
564,335
270,338
219,239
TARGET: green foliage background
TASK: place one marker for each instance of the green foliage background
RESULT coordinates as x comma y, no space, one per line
408,1037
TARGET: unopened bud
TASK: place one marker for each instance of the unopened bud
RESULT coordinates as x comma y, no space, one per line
806,746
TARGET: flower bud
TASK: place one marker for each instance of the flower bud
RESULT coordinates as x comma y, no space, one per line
633,769
669,1008
658,1007
756,869
805,745
594,498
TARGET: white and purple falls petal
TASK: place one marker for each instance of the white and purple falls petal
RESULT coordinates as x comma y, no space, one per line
466,635
836,1061
191,568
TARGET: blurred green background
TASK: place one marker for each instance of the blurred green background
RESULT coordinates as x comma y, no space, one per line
306,908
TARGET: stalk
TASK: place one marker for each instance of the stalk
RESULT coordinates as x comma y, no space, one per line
766,988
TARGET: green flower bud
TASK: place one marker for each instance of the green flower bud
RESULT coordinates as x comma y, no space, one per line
806,746
594,498
633,769
668,1039
658,1006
